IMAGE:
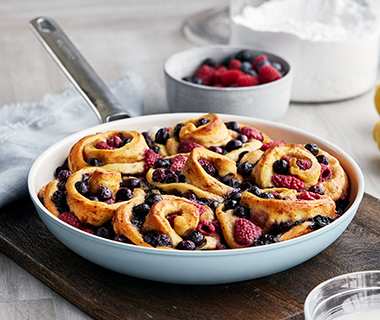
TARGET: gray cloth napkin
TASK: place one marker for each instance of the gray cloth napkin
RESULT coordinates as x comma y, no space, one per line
26,130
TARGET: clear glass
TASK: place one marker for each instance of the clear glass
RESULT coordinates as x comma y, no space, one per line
349,297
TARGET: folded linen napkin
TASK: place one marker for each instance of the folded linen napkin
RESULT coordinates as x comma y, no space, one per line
26,130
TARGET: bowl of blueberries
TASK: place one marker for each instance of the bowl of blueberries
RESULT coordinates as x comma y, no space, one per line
226,79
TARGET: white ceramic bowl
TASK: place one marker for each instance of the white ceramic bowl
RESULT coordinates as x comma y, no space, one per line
350,296
193,267
268,101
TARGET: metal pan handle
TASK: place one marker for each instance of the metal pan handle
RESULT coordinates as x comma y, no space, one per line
77,70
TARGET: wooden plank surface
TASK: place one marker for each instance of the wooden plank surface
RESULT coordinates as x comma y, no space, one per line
105,294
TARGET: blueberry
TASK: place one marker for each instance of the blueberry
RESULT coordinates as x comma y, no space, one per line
58,196
152,198
125,141
242,212
230,204
246,67
209,62
320,221
255,190
280,166
233,125
82,187
236,195
94,162
313,148
141,209
158,175
132,183
196,237
103,232
277,66
186,245
233,145
138,221
162,135
177,129
242,137
262,63
245,169
124,194
162,240
85,177
246,184
162,163
216,149
202,122
317,189
121,238
103,193
226,61
61,185
233,183
266,195
323,159
148,139
149,237
63,175
156,149
245,55
170,178
252,73
190,196
213,204
181,178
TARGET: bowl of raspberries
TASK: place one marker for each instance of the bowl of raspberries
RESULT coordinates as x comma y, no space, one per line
226,79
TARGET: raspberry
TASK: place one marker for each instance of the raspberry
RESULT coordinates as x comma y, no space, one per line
251,133
287,159
268,145
171,219
114,141
207,166
326,173
150,157
268,74
247,80
187,146
234,64
230,77
303,164
178,162
290,182
257,60
103,145
88,230
71,219
206,227
307,195
246,232
217,226
206,74
218,75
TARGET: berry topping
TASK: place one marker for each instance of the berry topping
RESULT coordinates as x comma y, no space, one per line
255,190
63,175
266,195
268,74
233,145
207,166
188,146
323,159
158,175
234,64
141,210
170,178
94,162
104,146
186,245
206,228
230,204
58,197
268,145
246,232
230,77
244,55
216,149
162,163
132,183
326,173
289,182
320,221
251,133
245,169
82,187
177,129
162,135
114,141
70,219
148,139
152,198
257,60
150,158
303,164
317,189
242,212
306,195
162,240
313,148
178,162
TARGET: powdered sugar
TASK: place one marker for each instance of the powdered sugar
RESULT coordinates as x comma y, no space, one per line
322,39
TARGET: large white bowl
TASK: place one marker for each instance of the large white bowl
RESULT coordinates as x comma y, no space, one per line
268,101
193,267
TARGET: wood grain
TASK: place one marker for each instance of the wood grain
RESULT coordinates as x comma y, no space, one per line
104,294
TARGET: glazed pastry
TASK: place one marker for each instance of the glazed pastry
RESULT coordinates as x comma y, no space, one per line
111,147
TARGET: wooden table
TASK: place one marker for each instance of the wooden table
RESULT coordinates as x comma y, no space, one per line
118,36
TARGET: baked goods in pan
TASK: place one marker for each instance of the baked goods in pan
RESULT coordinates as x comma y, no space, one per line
202,184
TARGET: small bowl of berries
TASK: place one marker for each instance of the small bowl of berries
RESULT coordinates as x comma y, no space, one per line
226,79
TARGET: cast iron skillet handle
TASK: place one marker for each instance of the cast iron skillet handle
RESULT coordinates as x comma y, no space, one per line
77,70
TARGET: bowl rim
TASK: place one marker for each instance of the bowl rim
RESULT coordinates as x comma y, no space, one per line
286,77
350,212
312,294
